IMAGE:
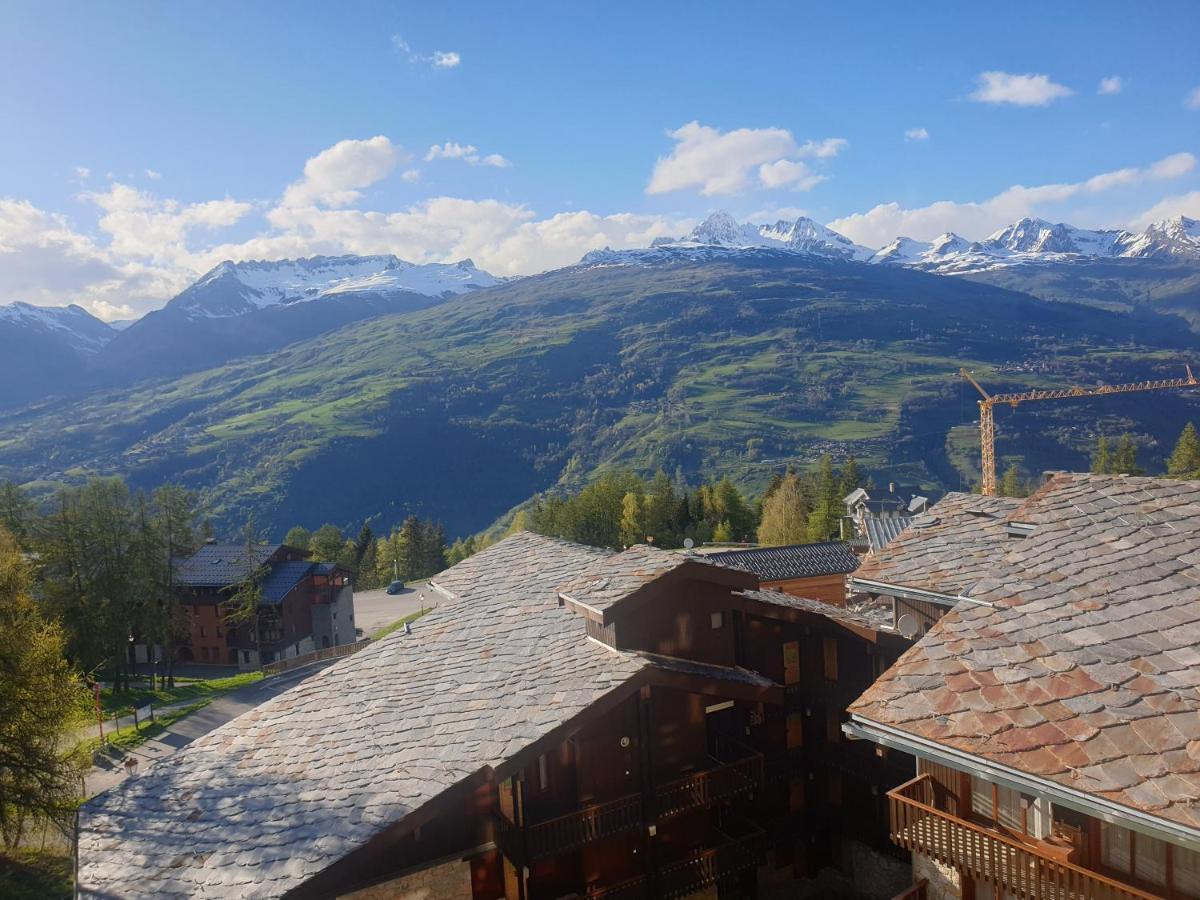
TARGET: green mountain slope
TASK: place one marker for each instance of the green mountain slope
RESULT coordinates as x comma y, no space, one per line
731,366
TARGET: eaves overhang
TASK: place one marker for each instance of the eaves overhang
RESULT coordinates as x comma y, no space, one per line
1089,804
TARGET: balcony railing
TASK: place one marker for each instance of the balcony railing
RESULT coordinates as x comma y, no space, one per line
736,770
916,892
577,828
987,855
728,858
632,889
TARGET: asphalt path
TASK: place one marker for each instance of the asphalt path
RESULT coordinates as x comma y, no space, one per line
375,609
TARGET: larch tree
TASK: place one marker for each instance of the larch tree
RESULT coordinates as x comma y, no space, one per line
785,513
1185,458
41,699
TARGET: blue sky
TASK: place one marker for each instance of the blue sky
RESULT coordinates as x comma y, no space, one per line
146,141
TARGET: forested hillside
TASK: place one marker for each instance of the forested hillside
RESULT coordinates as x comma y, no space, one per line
733,367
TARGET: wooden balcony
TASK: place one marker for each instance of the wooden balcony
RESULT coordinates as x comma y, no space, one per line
987,855
631,889
736,852
583,826
736,770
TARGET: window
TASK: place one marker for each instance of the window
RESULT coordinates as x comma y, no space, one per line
246,656
791,662
203,631
543,773
220,632
717,619
831,658
1114,847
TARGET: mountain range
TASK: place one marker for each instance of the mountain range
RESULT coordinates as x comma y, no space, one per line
234,310
1028,241
705,365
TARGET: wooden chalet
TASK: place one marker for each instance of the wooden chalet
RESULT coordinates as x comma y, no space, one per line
566,722
305,605
1054,710
815,571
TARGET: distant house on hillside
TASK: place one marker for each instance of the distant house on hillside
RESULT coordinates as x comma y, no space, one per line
306,605
877,521
816,571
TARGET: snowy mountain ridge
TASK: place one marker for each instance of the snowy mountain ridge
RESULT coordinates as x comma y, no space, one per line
232,289
73,325
1029,240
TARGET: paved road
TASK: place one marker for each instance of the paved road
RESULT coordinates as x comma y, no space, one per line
375,609
110,771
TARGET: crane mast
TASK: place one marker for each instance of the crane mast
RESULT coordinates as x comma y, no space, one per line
987,421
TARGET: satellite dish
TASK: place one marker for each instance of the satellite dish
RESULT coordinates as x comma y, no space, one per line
688,543
907,625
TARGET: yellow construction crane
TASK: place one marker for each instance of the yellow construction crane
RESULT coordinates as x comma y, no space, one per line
987,424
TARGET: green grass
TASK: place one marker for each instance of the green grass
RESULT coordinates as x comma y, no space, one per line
33,875
129,737
396,626
124,703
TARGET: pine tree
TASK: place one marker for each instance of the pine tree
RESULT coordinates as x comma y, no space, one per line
660,511
824,521
850,478
1124,458
1102,457
40,701
733,511
1185,459
1013,484
16,511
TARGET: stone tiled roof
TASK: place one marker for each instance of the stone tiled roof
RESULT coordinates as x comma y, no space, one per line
882,530
615,577
260,805
283,577
947,549
795,561
220,565
1085,670
863,615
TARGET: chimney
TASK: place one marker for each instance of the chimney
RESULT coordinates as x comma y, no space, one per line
891,487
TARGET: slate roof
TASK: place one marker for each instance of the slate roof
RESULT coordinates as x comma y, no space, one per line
864,615
795,561
615,577
260,805
220,565
284,576
882,530
1086,671
947,549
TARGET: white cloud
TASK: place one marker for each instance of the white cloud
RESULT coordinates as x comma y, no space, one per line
102,309
467,153
1021,90
1170,208
1192,100
916,134
1113,84
439,59
153,176
785,172
335,176
823,149
82,173
717,162
411,176
977,220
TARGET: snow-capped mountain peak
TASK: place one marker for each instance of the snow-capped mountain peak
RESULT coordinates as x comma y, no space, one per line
73,324
720,229
803,236
235,288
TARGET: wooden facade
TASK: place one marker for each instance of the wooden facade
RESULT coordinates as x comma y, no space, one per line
697,779
1001,842
826,588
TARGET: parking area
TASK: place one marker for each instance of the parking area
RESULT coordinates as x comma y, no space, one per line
375,609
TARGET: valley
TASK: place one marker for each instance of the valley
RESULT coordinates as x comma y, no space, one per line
735,364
